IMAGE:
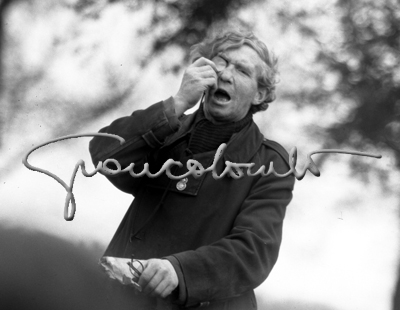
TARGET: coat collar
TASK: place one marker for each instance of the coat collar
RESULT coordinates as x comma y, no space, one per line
244,144
240,148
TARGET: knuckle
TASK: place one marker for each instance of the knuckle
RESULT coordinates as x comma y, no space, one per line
164,273
158,292
144,280
165,294
150,288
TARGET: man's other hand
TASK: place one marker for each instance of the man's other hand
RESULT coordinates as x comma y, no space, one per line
198,77
158,278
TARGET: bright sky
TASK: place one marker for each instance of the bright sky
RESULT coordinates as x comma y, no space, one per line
340,246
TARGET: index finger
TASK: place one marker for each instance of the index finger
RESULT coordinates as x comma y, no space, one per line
202,61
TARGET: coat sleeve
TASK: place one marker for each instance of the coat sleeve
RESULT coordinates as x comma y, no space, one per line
243,259
143,131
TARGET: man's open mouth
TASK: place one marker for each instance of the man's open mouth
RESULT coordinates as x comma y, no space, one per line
222,95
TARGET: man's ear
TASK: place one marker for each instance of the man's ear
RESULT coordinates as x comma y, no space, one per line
260,96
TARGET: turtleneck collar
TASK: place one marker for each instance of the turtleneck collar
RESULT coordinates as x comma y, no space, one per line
207,136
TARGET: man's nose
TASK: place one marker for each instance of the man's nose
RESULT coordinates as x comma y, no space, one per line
226,74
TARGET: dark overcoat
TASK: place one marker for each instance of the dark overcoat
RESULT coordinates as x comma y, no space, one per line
221,235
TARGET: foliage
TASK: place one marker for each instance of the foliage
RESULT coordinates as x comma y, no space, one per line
180,23
369,68
368,64
27,91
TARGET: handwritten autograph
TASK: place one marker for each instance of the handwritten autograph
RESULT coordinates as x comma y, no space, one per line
195,168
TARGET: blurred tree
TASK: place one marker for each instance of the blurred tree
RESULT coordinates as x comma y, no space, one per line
369,67
28,89
180,23
4,4
366,62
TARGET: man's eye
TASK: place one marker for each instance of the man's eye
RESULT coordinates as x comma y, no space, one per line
243,71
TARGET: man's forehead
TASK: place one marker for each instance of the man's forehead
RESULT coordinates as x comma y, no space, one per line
244,54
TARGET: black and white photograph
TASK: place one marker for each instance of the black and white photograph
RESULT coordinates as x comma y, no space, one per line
220,155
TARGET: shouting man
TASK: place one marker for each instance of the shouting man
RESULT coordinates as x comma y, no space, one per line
201,241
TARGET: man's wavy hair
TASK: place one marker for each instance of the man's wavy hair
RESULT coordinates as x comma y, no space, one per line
209,48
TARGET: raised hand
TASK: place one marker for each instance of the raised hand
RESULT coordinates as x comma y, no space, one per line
198,78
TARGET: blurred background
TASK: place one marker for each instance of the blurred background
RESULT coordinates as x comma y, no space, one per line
73,66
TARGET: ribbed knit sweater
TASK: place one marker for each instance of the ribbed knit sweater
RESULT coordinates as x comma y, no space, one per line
207,136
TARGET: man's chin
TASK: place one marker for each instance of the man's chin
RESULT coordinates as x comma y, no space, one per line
216,114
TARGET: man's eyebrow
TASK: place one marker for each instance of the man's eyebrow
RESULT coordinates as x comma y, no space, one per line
243,65
240,63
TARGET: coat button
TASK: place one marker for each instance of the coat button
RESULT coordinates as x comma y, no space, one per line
181,185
